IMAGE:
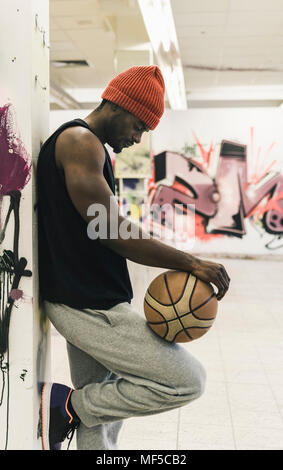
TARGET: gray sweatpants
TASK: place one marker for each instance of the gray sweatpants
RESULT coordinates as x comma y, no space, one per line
121,369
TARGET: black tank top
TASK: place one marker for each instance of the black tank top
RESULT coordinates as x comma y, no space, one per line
74,269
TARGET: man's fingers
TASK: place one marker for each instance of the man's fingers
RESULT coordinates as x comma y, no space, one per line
225,274
216,274
221,292
222,284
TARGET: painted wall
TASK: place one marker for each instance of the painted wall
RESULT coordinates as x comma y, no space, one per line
24,109
228,164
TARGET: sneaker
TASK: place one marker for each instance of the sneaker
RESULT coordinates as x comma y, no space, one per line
58,419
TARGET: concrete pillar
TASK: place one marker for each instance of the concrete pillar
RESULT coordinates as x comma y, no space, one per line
24,125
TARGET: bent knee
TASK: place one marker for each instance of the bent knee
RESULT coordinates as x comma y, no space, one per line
193,384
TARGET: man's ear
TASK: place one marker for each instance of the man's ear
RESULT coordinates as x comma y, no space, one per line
114,106
117,109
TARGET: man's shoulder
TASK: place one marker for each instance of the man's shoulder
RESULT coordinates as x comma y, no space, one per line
78,135
77,139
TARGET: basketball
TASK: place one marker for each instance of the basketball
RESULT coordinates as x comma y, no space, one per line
179,307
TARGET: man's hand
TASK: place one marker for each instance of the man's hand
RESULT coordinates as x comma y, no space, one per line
212,272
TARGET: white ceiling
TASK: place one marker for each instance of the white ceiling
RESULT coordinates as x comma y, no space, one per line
223,44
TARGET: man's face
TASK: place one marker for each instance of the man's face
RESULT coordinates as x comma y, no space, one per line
124,130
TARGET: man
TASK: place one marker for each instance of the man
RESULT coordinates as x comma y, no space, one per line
119,367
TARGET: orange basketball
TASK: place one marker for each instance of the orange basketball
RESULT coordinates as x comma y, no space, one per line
179,307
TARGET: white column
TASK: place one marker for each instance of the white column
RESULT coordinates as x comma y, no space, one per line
24,125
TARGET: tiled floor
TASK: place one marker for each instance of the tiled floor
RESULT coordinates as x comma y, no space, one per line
242,407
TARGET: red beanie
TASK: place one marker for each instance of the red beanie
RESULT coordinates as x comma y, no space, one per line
139,90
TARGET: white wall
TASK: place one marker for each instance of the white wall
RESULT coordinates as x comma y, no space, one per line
23,56
58,117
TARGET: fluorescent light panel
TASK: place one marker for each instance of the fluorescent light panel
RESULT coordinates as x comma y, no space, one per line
160,26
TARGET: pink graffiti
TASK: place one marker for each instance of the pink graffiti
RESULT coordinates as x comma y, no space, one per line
15,168
221,203
205,154
16,294
15,172
260,170
15,162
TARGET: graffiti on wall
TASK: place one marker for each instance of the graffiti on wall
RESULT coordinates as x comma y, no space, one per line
15,172
222,203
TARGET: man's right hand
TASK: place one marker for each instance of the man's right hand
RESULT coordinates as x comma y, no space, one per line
214,273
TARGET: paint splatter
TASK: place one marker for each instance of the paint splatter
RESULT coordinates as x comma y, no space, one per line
200,230
16,294
270,204
205,154
15,162
260,165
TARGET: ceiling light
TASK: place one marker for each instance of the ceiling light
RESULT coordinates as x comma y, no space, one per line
160,26
69,63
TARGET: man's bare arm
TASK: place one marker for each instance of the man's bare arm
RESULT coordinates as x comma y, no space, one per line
82,157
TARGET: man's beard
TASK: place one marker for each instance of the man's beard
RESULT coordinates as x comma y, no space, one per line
117,149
